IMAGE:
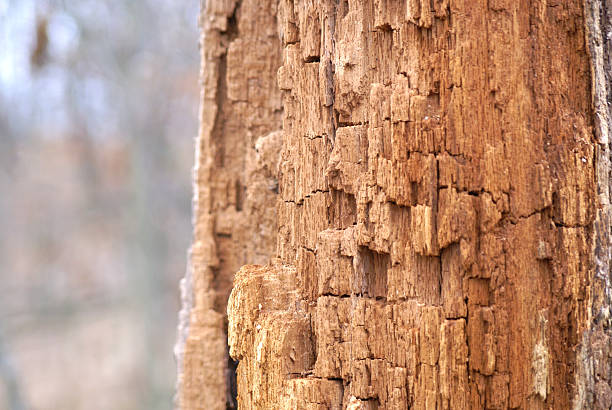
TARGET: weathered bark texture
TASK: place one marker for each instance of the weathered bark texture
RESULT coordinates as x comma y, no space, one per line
235,189
439,235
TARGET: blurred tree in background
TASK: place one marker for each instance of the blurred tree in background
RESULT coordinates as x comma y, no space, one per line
98,110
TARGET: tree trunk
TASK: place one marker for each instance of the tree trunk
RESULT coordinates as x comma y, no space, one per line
426,184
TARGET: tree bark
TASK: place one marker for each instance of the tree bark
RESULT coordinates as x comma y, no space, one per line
425,187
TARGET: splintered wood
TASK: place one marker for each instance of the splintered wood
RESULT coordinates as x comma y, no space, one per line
437,206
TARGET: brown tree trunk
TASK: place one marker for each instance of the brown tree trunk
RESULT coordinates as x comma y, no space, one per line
426,183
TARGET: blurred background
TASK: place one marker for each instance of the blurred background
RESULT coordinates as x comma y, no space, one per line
98,112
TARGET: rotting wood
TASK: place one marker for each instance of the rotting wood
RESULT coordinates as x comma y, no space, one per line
443,212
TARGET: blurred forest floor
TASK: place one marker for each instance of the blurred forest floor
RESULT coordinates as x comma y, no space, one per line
98,111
